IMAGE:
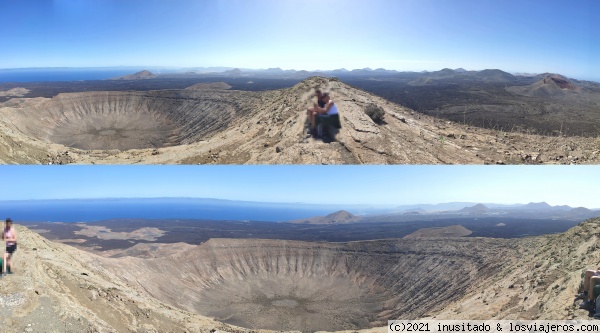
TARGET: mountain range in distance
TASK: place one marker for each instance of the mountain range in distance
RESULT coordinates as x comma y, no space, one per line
486,75
533,210
150,72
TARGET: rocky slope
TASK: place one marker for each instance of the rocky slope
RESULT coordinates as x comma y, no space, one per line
57,288
235,127
541,284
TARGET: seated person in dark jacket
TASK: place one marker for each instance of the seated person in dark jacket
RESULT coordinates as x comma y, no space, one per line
328,114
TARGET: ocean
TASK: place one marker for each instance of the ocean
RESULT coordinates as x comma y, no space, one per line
60,74
166,208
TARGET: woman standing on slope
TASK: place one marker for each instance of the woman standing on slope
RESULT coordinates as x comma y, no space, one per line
9,235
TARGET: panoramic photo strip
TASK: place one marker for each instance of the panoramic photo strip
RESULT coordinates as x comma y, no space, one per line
300,82
347,166
295,248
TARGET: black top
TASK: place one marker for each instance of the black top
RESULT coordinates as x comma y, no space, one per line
321,103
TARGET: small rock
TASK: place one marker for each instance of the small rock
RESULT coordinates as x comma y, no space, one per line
278,149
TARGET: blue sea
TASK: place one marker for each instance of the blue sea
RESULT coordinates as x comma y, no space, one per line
60,74
163,208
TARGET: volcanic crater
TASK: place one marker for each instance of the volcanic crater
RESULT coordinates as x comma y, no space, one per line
308,286
126,120
291,285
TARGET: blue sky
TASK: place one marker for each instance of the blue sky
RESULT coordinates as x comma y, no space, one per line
386,185
516,36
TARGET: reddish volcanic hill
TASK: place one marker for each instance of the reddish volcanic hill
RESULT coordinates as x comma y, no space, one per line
561,81
550,85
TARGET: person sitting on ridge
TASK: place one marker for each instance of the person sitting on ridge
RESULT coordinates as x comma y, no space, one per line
320,104
9,235
591,278
327,114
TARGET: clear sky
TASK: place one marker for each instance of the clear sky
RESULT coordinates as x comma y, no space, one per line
532,36
386,185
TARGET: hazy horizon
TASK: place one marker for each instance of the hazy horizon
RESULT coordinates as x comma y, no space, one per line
157,69
332,184
400,35
374,206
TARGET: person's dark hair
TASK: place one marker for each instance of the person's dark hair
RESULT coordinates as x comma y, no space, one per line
325,94
8,220
317,91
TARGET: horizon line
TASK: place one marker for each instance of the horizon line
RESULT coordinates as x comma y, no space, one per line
286,69
142,67
296,203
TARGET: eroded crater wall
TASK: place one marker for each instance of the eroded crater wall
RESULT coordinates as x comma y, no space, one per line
286,285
